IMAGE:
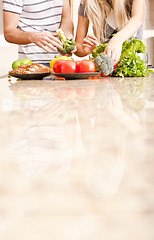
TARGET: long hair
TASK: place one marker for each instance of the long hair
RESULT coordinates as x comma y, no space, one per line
98,10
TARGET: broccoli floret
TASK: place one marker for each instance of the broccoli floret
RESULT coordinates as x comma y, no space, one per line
105,69
98,61
107,59
68,44
105,64
99,49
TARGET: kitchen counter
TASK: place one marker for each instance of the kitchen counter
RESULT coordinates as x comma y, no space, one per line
76,159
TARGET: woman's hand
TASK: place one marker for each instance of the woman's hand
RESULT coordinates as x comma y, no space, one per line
89,43
46,40
113,48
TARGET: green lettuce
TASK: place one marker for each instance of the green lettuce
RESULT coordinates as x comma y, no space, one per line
130,64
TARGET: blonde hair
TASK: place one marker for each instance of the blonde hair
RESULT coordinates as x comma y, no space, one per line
98,10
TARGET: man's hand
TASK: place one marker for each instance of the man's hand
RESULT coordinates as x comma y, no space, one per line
46,40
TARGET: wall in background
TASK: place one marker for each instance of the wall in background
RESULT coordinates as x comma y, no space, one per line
149,30
8,52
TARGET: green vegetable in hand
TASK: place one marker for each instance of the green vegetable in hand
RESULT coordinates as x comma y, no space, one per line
104,64
19,62
130,64
68,45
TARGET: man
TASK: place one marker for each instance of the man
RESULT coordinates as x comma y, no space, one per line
33,23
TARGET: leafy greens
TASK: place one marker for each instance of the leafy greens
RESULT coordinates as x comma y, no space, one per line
130,64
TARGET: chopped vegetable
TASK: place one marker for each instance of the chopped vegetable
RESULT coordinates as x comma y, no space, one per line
68,45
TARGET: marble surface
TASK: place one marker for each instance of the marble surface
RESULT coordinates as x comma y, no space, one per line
77,159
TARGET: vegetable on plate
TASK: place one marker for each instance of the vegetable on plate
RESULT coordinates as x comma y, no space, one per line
57,58
68,67
57,65
71,66
84,66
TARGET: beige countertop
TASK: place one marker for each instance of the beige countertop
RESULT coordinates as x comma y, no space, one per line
77,159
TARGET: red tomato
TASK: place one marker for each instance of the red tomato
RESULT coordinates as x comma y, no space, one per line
77,65
69,66
86,66
57,65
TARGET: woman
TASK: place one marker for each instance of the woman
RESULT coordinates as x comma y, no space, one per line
107,17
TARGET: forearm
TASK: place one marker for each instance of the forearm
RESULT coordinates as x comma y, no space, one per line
80,52
18,36
81,33
114,46
68,30
67,22
12,32
86,46
135,22
130,29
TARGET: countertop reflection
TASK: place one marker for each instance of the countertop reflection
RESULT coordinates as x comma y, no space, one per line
76,159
